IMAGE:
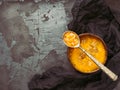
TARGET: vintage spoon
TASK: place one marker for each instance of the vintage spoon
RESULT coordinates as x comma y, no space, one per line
68,40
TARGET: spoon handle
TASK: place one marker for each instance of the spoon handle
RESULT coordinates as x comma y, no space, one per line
112,75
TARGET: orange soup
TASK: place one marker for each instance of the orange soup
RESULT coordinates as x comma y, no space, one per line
94,46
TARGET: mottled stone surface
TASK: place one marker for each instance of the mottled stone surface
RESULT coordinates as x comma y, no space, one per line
30,37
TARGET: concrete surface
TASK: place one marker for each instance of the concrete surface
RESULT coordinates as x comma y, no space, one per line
30,35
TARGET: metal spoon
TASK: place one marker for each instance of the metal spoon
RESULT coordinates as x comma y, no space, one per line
112,75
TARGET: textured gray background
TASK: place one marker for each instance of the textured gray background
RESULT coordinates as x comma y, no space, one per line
31,39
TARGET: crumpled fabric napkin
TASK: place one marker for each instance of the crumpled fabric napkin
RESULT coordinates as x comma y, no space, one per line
102,18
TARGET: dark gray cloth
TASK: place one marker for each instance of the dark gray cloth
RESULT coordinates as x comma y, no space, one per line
93,16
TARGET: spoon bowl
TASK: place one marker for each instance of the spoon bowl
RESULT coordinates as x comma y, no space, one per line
71,39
